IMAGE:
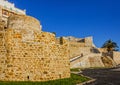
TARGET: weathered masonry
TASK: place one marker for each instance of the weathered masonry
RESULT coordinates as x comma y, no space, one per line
28,54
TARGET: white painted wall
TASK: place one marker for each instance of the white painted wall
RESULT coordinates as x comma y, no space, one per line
8,5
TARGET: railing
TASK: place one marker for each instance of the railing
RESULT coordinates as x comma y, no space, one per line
75,58
71,60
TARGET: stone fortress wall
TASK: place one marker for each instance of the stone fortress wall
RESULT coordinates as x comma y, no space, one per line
2,50
84,54
27,53
116,57
79,46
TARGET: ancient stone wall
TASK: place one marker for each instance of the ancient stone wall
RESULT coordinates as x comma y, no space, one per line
76,49
116,57
108,61
79,46
102,50
87,61
88,42
33,55
24,22
83,54
0,11
2,50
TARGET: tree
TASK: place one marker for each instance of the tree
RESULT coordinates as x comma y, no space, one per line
110,45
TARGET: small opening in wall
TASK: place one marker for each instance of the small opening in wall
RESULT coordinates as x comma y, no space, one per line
61,40
5,28
28,77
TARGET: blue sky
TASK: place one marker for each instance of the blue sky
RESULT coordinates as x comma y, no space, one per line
78,18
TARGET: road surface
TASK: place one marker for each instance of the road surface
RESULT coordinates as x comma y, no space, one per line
104,76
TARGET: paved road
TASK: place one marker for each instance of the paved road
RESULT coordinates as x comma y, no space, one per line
104,76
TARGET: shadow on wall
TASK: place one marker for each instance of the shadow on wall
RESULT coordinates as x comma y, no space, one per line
81,41
94,50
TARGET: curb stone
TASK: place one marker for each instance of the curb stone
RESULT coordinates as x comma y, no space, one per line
87,82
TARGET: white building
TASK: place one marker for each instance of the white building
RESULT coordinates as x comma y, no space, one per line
7,9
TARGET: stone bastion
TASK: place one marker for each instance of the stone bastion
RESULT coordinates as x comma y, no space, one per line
23,21
28,54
